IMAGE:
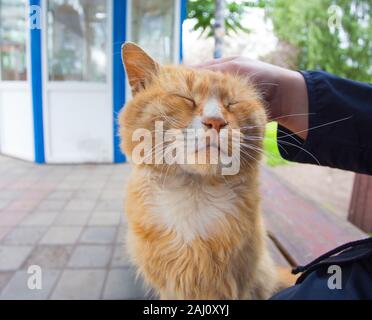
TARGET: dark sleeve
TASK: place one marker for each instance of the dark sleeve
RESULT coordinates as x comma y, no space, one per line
340,125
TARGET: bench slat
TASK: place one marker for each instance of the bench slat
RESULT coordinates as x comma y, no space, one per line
277,256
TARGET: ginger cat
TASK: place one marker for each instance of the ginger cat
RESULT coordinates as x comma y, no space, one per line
195,233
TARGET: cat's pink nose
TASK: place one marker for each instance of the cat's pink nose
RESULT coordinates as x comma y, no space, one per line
215,123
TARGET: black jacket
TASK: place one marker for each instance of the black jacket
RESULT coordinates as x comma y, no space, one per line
340,125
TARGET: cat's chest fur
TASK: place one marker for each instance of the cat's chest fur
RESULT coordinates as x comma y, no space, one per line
192,209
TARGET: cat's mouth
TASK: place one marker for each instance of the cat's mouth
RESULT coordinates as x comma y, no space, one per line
211,150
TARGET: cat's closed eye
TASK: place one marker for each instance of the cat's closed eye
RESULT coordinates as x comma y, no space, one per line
190,101
229,105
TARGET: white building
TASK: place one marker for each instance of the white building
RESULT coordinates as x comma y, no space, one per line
62,82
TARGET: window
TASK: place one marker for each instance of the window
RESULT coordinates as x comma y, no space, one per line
153,27
77,40
13,65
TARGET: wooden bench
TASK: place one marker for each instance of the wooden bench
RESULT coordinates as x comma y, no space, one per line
299,230
360,211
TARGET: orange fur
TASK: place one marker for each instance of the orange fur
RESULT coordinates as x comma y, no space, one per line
194,234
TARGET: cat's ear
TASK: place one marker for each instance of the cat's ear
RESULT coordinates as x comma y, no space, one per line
140,67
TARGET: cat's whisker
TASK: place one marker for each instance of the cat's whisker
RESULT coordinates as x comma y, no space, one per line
157,149
252,138
164,165
301,131
256,161
303,149
286,135
153,155
168,167
245,152
253,148
260,151
292,115
267,83
317,127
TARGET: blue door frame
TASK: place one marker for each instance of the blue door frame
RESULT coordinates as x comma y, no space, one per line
119,36
36,76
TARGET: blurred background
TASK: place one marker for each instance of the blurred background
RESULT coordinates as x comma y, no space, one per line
62,85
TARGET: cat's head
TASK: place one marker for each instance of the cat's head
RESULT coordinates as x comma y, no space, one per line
190,120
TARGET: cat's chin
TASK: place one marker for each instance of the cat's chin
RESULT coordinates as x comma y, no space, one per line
202,169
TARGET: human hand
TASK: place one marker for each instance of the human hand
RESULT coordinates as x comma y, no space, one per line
284,90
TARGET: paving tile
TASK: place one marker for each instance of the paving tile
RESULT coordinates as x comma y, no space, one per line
49,257
40,219
88,194
51,177
112,193
80,284
120,257
124,221
110,205
72,218
76,176
22,205
45,185
8,218
4,231
69,186
60,171
17,287
4,203
9,194
4,279
121,173
60,195
20,185
94,184
79,204
12,257
61,235
105,218
98,235
90,256
24,235
104,170
122,284
35,195
51,205
121,237
3,183
119,185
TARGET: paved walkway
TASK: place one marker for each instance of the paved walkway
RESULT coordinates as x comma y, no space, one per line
69,221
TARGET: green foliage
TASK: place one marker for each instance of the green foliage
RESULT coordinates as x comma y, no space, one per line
272,154
202,11
345,50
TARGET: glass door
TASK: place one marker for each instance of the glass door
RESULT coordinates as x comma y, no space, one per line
16,116
13,38
77,40
78,103
155,26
